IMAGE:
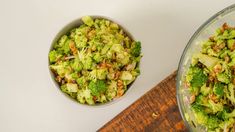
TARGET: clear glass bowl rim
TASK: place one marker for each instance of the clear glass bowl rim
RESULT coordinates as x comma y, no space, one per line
181,62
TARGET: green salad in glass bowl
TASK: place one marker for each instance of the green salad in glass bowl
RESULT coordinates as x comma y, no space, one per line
211,81
95,61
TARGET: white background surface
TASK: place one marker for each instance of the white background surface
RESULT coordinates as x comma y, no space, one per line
29,101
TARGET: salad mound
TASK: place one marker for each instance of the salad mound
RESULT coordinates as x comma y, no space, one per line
95,62
211,81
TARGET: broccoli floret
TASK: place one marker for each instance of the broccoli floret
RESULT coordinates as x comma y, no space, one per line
205,90
210,121
213,122
61,42
225,114
84,95
87,63
199,113
215,107
88,20
63,45
97,57
123,58
223,77
80,41
70,89
97,87
206,46
102,73
114,26
77,65
54,56
201,100
230,93
230,43
198,77
219,89
227,124
118,48
74,76
136,49
111,90
81,81
61,68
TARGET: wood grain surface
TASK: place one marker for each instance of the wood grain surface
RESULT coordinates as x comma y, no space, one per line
157,110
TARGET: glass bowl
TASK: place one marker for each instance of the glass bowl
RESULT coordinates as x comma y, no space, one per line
203,33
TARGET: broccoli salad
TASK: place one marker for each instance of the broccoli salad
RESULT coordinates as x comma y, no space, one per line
211,81
95,62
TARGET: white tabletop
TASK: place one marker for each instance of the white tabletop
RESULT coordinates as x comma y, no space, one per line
29,101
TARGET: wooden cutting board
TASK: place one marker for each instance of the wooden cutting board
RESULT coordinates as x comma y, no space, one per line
157,110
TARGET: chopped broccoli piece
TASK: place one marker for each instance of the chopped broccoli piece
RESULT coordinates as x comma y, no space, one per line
88,20
81,81
215,107
61,68
219,89
97,57
77,65
123,58
97,87
198,77
112,90
70,89
213,122
205,90
223,77
230,93
230,43
54,56
84,95
199,113
87,63
102,73
136,49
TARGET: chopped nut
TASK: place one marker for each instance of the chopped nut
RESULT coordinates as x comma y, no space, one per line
108,65
225,26
192,99
155,115
91,34
216,48
212,38
213,98
117,75
233,47
217,68
73,48
186,84
119,83
63,82
226,59
234,81
221,46
120,92
58,79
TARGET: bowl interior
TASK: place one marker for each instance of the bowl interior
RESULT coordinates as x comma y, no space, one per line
74,24
194,45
